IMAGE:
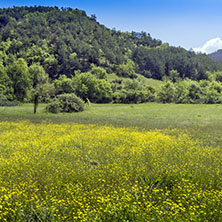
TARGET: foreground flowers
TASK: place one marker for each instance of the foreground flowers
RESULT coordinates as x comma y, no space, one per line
73,172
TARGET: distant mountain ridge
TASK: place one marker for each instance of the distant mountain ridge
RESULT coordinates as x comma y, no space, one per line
216,56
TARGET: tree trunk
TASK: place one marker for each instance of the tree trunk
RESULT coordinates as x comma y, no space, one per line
36,102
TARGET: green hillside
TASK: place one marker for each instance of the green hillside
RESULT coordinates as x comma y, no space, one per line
63,40
47,51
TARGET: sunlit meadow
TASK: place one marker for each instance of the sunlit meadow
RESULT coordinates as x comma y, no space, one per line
73,172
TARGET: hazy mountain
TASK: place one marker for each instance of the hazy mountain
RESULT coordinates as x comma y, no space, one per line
216,56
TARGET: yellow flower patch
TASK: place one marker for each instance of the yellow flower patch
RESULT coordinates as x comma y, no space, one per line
73,172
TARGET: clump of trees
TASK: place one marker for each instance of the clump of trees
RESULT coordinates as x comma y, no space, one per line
189,91
133,91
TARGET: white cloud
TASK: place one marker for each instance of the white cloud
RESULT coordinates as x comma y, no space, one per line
210,46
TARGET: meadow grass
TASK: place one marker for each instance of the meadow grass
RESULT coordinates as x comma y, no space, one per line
146,162
151,82
148,116
200,120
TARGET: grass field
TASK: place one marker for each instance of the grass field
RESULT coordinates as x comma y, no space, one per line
201,120
147,162
148,116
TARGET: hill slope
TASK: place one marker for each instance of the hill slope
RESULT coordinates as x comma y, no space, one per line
64,40
47,51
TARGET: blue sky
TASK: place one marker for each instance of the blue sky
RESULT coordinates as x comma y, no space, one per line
185,23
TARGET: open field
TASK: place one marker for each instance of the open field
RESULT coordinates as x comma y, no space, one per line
148,116
200,120
147,162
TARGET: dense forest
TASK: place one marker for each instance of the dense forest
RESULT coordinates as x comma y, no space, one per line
49,51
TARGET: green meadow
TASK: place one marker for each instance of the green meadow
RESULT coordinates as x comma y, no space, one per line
201,120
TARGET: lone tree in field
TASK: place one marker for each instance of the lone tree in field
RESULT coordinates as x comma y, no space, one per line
39,79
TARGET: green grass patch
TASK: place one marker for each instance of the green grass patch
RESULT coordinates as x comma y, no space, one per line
151,82
200,120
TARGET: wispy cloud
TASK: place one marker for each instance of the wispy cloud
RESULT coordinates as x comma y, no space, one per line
210,46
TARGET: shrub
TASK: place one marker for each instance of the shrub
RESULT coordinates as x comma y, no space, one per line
54,106
71,103
134,96
212,96
167,93
66,103
195,92
182,92
89,87
4,101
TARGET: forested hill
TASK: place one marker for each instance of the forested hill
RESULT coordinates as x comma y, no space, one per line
64,40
